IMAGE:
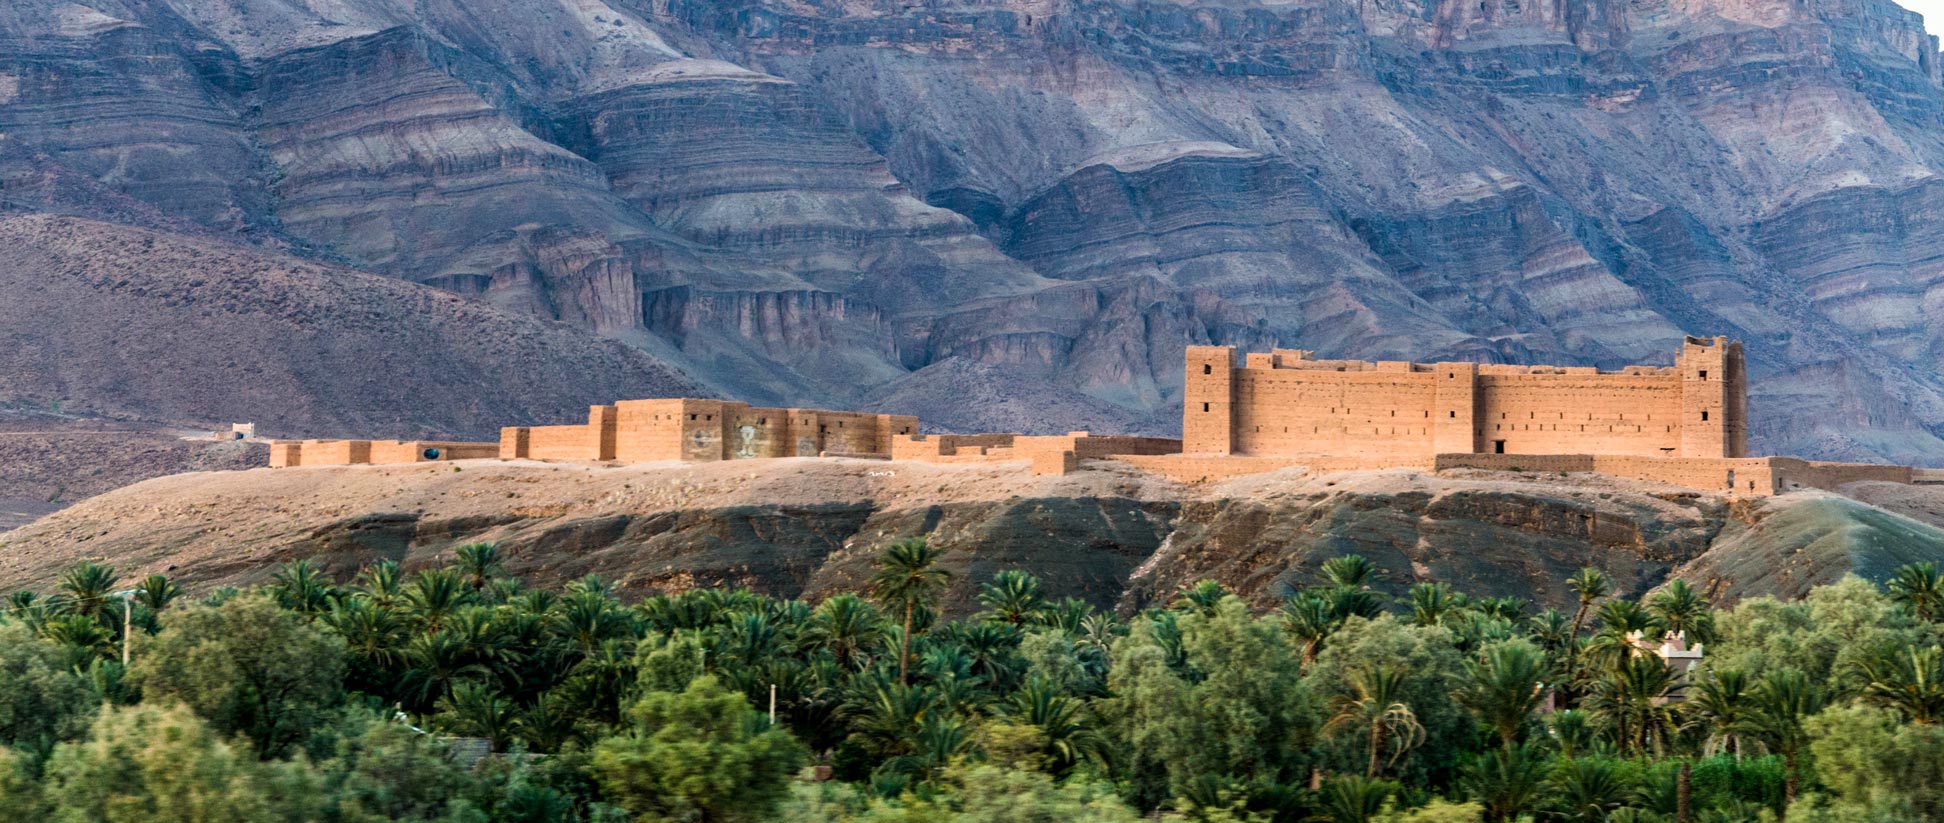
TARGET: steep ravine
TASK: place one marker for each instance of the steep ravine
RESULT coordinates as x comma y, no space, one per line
1108,534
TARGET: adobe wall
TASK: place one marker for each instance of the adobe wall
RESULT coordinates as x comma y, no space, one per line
284,453
425,451
1289,404
709,430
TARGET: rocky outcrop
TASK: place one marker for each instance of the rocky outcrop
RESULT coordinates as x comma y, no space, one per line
811,527
831,202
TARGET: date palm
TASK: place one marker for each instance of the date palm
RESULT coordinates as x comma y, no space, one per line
1351,571
1431,603
1588,585
1679,608
1069,741
1634,700
1012,597
1375,704
1311,619
1503,687
156,592
1919,588
848,627
383,583
86,590
1506,781
434,595
1588,789
908,581
1911,681
479,563
302,587
1201,597
1722,703
1783,700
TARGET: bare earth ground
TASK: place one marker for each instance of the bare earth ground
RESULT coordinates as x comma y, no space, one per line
1110,534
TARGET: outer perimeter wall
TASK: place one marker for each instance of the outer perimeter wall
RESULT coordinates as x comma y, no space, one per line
1287,403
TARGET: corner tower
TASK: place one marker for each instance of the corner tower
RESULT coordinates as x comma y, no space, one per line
1207,397
1714,398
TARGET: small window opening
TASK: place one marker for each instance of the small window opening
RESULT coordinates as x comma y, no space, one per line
1704,374
1204,407
1208,368
1704,415
1454,414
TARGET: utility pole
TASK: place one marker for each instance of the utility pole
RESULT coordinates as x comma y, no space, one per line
128,621
772,704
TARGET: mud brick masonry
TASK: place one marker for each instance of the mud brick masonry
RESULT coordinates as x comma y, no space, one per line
1685,425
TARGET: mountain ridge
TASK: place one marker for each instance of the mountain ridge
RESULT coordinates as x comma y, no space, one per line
836,202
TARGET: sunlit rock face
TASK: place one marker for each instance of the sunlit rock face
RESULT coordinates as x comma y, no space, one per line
832,202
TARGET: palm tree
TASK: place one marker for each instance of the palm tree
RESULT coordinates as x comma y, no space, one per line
383,582
1908,680
1551,630
1058,717
1376,704
1589,585
1311,619
1350,571
848,627
478,562
1353,799
1012,597
1721,702
85,590
156,592
1573,732
906,582
1634,700
475,710
301,586
1430,603
1503,687
1679,608
1783,700
1919,588
434,595
1201,597
1506,781
1588,789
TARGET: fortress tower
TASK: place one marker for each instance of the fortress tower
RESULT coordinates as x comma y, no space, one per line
1714,399
1287,403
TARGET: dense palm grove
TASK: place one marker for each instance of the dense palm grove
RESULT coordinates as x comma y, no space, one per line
312,699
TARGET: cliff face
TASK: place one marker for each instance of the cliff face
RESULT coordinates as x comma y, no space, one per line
841,202
1118,538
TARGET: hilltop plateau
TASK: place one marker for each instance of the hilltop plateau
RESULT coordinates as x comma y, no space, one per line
804,527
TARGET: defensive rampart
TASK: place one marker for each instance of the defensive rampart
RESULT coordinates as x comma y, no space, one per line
1287,403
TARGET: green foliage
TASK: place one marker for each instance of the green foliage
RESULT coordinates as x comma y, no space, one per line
700,754
1234,708
1874,763
42,699
248,667
309,700
156,764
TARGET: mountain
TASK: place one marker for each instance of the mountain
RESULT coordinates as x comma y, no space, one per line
1108,534
105,321
850,203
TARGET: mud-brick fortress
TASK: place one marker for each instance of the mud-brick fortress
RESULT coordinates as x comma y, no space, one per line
1686,425
1285,409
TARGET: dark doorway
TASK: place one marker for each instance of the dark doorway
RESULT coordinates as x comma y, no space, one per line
1498,447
